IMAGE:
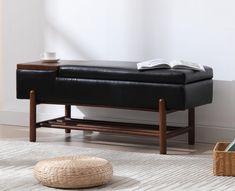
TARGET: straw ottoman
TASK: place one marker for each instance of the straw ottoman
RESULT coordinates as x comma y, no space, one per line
73,172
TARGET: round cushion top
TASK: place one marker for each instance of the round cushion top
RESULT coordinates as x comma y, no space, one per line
73,172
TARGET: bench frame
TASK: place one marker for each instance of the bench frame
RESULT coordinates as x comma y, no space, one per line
162,130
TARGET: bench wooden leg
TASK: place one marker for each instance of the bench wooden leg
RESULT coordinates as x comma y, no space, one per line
191,125
68,114
162,126
32,117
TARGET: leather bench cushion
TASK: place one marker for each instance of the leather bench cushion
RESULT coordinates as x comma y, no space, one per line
127,71
41,81
124,94
127,94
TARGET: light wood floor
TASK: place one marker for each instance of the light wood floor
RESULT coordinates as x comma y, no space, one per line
104,141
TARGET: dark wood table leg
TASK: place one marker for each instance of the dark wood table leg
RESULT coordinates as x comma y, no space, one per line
68,115
191,125
162,126
32,117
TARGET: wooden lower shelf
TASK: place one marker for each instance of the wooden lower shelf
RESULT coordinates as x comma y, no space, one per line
111,127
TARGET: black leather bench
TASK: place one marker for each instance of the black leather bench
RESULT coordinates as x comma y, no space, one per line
114,84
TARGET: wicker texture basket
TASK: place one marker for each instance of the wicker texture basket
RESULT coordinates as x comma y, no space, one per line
223,162
73,172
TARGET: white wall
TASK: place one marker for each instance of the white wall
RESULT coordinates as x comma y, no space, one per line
23,41
197,30
1,59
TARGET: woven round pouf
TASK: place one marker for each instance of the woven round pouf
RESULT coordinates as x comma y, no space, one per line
73,172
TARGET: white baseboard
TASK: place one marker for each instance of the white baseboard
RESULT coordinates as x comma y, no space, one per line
204,133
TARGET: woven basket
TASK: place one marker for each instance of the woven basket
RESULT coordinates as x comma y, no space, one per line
73,172
223,162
